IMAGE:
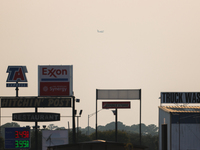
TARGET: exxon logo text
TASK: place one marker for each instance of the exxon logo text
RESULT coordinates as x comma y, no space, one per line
54,72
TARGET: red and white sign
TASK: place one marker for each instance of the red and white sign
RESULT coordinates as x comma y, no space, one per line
111,105
55,80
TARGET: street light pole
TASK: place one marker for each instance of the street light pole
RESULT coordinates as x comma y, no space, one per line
88,124
91,116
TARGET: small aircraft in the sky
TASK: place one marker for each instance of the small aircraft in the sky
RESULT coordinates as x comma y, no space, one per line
100,31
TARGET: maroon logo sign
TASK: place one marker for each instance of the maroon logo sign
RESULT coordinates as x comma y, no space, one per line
110,105
54,88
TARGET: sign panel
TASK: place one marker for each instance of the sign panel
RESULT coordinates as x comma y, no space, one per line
8,102
32,117
107,105
180,97
16,85
16,73
55,80
17,138
118,94
54,137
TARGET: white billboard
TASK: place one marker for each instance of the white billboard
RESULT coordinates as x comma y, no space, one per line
55,80
118,94
54,137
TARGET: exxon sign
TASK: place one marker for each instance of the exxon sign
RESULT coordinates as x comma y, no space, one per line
55,80
16,74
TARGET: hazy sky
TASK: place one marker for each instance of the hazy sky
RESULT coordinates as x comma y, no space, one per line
151,45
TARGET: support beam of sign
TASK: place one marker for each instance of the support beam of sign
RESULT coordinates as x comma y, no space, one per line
36,131
130,94
17,89
116,127
73,121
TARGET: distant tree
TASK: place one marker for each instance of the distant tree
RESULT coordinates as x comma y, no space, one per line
150,141
80,137
60,128
1,143
39,140
52,127
152,129
134,138
9,124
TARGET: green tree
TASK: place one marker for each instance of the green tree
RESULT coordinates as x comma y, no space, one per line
9,124
1,143
39,140
152,129
52,127
150,141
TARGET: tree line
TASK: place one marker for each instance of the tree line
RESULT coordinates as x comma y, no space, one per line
107,133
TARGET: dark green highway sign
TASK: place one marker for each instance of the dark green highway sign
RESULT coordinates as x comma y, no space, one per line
32,117
9,102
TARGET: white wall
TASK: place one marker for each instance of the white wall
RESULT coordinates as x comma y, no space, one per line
189,136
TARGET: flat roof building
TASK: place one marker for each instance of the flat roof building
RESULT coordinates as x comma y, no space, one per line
179,127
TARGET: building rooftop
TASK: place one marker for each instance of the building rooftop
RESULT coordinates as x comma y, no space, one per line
181,109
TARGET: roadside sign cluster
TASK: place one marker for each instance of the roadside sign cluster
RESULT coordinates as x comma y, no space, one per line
55,89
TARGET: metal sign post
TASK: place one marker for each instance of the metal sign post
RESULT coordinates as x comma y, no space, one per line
36,131
116,125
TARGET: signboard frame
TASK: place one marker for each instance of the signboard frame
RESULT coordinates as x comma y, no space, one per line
17,102
16,74
118,105
32,117
119,94
54,78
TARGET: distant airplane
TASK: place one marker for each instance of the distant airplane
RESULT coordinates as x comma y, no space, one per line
100,31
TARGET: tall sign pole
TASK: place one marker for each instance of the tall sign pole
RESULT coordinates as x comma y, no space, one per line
17,89
36,131
140,118
96,111
116,125
73,121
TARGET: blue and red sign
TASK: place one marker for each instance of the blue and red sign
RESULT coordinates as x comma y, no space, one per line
17,138
16,74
